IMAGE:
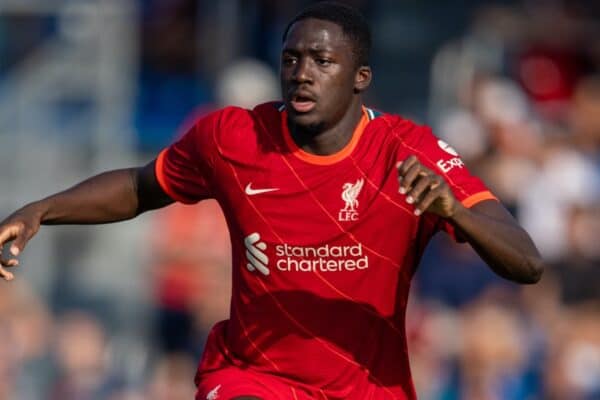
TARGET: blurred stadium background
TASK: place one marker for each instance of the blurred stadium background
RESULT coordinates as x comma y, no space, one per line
121,311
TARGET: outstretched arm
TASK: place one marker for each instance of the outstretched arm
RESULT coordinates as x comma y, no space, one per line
487,226
108,197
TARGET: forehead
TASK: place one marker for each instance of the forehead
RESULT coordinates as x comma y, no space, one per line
316,34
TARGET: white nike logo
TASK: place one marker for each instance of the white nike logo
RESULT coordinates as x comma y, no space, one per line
213,394
251,192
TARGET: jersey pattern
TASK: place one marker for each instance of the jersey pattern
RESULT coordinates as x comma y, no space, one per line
324,247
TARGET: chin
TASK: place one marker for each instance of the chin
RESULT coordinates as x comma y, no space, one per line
308,126
306,122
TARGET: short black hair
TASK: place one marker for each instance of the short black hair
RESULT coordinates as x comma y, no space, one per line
353,24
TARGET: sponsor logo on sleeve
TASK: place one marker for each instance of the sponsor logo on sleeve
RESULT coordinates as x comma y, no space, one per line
447,165
447,148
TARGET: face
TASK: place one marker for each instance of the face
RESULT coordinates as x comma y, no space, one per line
319,74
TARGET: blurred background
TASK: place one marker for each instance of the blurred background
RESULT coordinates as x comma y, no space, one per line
121,311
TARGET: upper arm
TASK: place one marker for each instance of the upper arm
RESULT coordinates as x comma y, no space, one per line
149,192
495,210
492,209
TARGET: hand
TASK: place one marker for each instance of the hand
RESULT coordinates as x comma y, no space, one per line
425,189
18,229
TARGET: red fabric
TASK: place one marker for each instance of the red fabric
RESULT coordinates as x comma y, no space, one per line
327,311
227,383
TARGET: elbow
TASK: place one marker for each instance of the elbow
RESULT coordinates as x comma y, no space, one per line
532,271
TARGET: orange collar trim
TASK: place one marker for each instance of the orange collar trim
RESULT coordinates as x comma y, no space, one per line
331,158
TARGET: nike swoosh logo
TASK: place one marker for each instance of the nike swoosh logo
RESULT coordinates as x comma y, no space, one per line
251,192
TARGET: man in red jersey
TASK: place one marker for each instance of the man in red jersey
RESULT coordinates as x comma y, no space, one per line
330,206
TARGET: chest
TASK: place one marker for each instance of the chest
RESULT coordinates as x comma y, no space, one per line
307,203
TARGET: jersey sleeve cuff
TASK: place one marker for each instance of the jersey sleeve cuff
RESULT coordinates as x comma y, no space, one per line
159,170
477,198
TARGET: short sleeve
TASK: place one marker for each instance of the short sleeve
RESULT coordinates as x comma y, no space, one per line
185,168
440,157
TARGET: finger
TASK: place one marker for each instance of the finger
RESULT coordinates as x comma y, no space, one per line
9,262
21,241
411,175
426,202
6,275
19,244
404,166
421,186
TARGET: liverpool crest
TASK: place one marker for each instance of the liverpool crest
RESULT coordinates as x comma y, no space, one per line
350,192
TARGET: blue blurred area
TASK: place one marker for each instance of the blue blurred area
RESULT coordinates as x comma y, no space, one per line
20,34
453,274
164,101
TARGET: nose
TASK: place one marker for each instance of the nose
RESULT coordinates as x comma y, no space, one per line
302,73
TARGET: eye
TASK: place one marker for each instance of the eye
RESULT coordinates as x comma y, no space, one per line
324,62
288,60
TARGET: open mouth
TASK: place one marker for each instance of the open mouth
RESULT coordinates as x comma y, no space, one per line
302,104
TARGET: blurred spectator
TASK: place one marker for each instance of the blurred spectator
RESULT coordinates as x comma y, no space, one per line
573,371
584,118
246,83
492,359
25,328
171,379
82,355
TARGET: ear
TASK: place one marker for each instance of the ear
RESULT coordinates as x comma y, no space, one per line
362,79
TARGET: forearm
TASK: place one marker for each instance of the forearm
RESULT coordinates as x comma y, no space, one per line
107,197
503,245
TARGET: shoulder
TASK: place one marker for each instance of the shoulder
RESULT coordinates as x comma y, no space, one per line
234,120
399,127
226,117
411,137
222,125
237,130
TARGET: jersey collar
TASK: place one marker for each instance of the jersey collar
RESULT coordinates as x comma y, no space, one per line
327,159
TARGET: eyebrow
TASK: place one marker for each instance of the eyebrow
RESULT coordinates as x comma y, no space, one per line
313,50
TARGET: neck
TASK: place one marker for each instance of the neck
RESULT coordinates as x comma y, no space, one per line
324,140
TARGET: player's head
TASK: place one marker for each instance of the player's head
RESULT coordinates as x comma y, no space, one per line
353,24
324,64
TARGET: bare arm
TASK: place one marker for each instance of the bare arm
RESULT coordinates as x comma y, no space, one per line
487,226
499,241
108,197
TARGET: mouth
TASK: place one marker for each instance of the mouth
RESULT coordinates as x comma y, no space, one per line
302,102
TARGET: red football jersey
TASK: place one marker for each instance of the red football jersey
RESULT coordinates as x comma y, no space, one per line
324,247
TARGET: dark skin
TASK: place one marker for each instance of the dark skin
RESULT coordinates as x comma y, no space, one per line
317,62
318,67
